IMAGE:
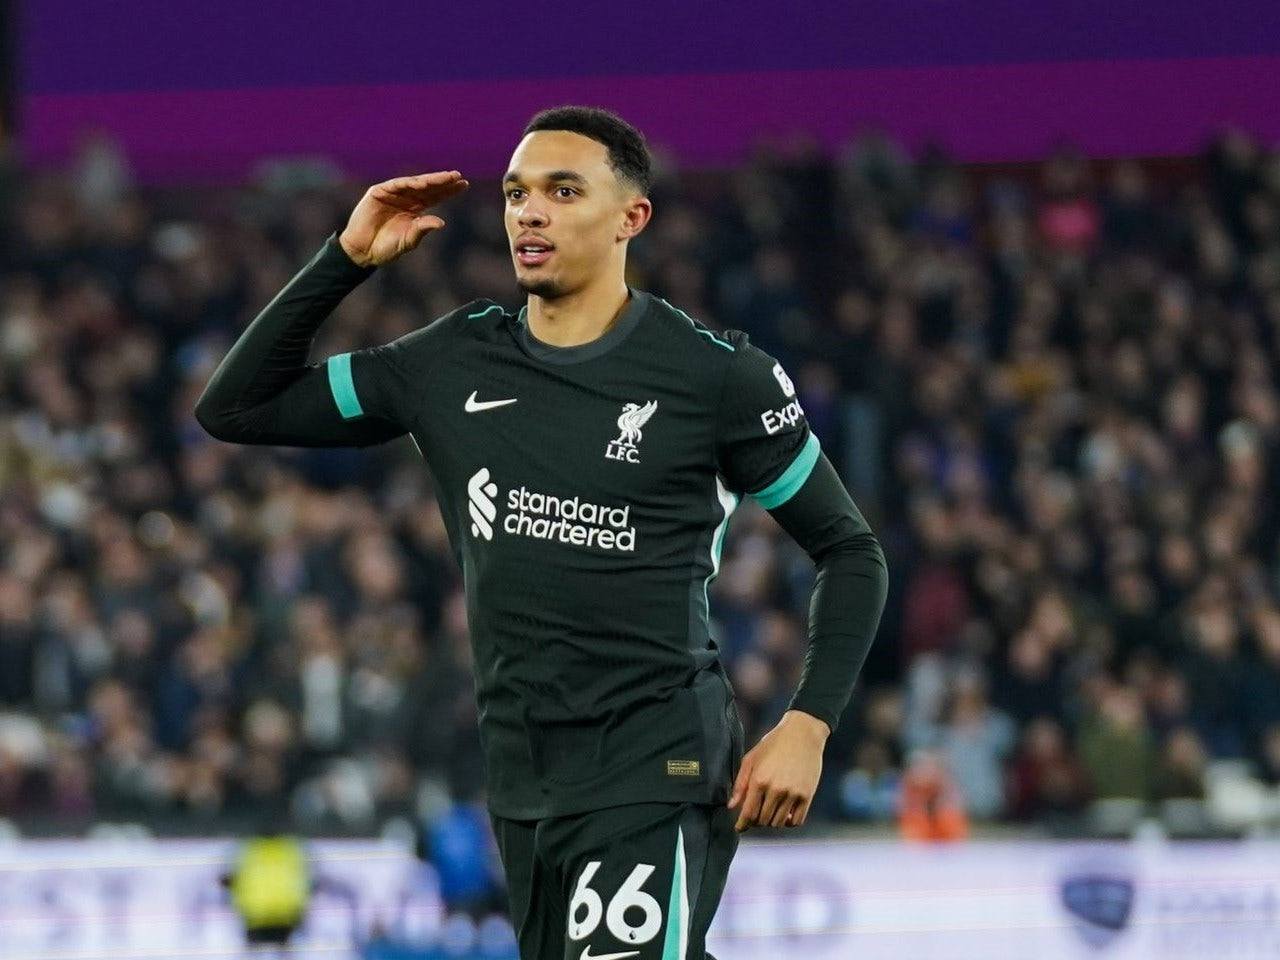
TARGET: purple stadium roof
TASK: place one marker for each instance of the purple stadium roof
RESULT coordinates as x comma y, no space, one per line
203,91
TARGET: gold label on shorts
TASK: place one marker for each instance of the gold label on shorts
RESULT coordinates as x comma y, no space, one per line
684,768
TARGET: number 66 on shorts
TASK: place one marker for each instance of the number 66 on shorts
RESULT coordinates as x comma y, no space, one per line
633,882
586,907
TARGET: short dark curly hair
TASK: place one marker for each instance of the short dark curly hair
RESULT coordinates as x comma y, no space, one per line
628,152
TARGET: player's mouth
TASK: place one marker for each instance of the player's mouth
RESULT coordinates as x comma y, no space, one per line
533,252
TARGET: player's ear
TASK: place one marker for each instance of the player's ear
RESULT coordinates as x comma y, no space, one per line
635,216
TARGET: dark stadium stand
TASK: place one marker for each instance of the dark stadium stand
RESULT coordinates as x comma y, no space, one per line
1051,389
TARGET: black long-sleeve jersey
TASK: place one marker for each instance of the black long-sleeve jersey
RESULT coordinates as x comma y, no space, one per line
586,491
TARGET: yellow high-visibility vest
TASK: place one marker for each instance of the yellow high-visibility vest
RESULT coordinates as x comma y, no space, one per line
271,884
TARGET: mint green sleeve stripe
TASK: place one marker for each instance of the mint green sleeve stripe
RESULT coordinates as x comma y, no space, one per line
343,387
793,478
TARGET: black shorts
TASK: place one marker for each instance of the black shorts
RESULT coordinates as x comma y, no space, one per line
637,882
277,933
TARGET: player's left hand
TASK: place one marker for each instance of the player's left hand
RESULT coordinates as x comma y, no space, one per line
779,775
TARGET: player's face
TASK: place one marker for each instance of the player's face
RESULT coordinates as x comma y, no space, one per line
566,212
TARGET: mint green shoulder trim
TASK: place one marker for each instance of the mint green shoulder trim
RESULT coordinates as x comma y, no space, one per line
481,313
723,344
793,478
343,387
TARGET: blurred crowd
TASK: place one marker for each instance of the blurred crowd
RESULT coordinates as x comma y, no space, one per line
1051,389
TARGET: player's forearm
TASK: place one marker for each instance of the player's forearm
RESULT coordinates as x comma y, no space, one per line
264,391
848,594
844,612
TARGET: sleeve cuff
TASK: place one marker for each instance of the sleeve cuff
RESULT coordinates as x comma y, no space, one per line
798,703
334,256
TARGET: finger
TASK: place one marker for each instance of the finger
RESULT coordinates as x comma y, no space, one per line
447,190
420,188
751,807
431,196
786,815
424,225
775,799
744,778
803,814
782,815
434,183
421,180
424,196
752,796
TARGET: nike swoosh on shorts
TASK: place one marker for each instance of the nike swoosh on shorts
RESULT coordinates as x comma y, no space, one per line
588,955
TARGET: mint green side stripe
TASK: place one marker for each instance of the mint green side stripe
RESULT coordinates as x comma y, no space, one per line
793,478
728,501
343,387
481,313
676,942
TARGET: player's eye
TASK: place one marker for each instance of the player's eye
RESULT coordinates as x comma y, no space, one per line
511,194
570,191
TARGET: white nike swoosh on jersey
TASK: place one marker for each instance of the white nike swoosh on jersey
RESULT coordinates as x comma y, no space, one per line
475,406
588,955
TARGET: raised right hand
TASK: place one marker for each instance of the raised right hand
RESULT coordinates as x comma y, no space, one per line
390,218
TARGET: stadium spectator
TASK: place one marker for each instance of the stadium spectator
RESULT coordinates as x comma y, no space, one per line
975,742
270,885
931,808
1117,748
1181,770
1046,781
871,790
1269,768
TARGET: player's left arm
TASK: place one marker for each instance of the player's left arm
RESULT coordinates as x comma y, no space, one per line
765,447
844,611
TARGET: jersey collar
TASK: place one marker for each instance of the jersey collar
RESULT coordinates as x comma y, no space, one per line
631,315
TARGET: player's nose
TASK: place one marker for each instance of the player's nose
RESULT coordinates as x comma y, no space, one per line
532,215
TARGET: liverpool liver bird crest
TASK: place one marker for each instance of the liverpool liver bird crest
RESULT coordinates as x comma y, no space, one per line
634,416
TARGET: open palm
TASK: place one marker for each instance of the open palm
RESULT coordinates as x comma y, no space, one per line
391,217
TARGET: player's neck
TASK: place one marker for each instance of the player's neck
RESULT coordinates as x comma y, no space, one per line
578,317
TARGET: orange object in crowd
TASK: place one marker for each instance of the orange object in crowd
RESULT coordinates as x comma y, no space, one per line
931,808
